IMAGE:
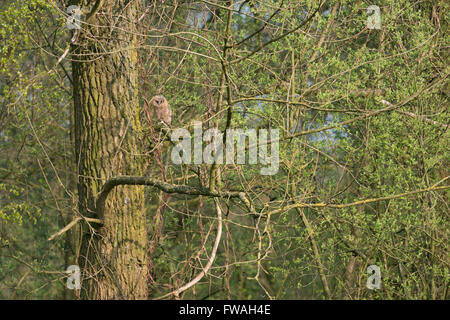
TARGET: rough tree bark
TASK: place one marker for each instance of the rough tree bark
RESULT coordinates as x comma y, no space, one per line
113,256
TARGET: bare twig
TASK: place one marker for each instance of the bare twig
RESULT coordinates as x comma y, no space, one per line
71,224
413,115
356,203
194,281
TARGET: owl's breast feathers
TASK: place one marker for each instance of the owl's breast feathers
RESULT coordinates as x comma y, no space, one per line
162,109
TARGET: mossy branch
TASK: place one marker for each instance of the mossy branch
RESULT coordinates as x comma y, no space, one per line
166,187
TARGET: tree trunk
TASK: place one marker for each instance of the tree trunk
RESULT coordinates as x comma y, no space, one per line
113,256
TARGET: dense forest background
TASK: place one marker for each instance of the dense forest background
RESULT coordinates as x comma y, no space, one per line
363,164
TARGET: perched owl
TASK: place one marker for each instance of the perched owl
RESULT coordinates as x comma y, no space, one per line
162,110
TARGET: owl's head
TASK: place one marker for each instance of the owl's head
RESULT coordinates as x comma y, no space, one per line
158,101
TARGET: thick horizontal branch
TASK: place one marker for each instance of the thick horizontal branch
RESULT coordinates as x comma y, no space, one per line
166,187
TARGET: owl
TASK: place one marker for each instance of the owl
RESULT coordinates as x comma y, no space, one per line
161,110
